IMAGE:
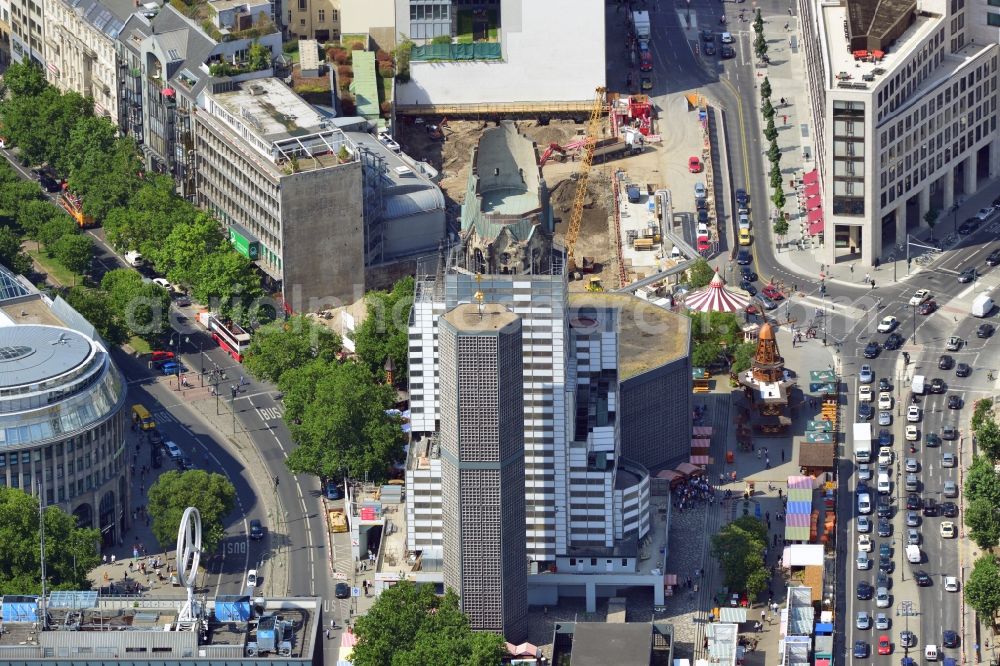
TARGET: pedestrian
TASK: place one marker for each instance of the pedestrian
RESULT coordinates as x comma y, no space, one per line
104,559
784,118
704,643
786,27
868,277
113,558
767,516
767,463
873,285
763,615
779,493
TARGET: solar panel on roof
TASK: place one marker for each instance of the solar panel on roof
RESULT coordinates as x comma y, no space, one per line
10,287
74,599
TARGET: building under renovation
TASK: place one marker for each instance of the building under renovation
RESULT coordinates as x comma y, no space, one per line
506,220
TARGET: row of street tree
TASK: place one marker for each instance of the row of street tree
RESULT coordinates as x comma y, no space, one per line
139,211
982,512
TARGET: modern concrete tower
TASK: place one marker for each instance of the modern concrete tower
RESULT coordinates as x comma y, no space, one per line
482,465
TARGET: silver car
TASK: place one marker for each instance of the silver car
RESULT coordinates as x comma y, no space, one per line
882,598
913,536
912,518
950,489
885,418
864,620
864,472
864,524
912,465
882,622
947,460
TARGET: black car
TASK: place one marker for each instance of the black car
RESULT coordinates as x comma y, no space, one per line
884,385
884,507
872,350
932,439
985,330
923,580
742,198
963,370
950,638
748,274
930,508
884,437
727,51
744,258
884,527
865,590
709,49
968,226
864,411
968,275
886,564
913,502
882,579
954,402
342,591
707,36
703,216
937,385
749,288
949,432
155,438
256,529
994,258
893,342
948,509
184,463
701,204
946,362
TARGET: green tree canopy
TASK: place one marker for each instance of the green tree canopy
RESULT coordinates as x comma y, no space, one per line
411,626
180,256
758,22
16,195
33,215
150,216
767,109
760,45
90,136
742,356
770,131
107,179
212,494
143,307
705,354
739,548
345,425
259,57
780,226
24,79
981,412
54,229
226,282
988,438
96,307
982,482
284,345
384,334
70,551
774,153
74,251
982,589
779,199
700,273
11,255
765,88
983,521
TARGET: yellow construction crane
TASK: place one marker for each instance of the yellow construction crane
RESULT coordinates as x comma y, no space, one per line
581,181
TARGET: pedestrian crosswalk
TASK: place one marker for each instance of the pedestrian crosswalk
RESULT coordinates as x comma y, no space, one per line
163,416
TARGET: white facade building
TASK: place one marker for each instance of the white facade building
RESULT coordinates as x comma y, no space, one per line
904,105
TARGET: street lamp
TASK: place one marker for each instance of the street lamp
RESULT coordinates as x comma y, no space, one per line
906,610
232,405
177,354
201,357
914,323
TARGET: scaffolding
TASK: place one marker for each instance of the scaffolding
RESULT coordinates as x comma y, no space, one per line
374,178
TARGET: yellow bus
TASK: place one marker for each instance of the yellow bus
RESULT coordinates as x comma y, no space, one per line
141,417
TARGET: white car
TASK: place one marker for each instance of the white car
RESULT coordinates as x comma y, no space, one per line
864,472
930,652
950,584
912,433
885,456
912,413
984,213
252,579
865,393
948,530
919,296
726,38
887,324
864,544
885,400
883,485
864,524
162,282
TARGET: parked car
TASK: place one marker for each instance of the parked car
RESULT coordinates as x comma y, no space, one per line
694,165
963,370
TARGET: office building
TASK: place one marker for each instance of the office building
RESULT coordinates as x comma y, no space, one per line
903,98
80,51
27,25
62,410
482,448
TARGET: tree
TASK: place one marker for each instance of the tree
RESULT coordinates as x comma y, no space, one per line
16,195
982,482
980,412
259,57
53,230
705,354
758,22
780,226
95,306
410,626
700,273
10,252
180,256
742,356
774,152
770,132
767,109
226,281
778,198
74,251
760,45
384,333
97,136
143,307
70,551
775,177
24,79
33,215
982,589
345,425
739,548
152,212
988,438
983,521
765,88
106,180
931,218
212,494
284,345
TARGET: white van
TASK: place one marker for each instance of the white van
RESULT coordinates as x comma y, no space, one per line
918,385
884,486
982,306
134,259
913,554
864,504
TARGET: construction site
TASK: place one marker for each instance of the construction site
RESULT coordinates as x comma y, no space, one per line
619,238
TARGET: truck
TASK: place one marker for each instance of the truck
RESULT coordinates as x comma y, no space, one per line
640,22
227,334
645,58
863,442
73,205
982,306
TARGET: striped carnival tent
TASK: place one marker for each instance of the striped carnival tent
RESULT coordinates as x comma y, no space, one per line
716,298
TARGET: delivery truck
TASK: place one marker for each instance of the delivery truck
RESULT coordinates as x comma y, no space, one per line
863,442
982,305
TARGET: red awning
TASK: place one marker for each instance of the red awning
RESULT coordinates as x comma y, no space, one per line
815,215
816,227
813,202
812,190
810,177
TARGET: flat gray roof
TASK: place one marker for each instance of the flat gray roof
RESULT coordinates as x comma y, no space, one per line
31,354
600,644
271,109
485,318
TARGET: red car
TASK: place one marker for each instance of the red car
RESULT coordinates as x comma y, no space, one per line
927,307
704,243
884,646
161,355
694,165
773,293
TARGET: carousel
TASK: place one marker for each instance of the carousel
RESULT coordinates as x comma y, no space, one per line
717,298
